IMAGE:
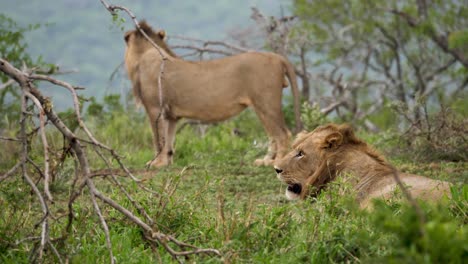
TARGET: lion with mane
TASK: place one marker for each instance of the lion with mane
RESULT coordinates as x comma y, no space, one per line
208,91
331,151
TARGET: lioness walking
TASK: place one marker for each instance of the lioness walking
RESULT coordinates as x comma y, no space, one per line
209,91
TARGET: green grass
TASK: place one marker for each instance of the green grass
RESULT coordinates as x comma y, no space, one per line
222,201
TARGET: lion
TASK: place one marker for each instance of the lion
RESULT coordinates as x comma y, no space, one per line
331,151
209,91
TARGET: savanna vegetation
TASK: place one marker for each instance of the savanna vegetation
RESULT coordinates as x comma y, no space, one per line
374,74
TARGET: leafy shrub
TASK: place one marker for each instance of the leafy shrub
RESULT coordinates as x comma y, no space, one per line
441,238
311,116
436,136
12,49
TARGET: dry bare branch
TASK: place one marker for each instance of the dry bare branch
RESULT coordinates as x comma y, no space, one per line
6,84
76,104
44,144
11,171
24,154
201,50
9,139
206,43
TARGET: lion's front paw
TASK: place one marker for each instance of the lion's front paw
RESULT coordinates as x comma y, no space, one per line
157,163
258,162
263,162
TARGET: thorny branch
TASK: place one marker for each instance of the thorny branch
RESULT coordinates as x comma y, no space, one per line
44,144
205,43
201,50
24,156
6,84
201,47
32,95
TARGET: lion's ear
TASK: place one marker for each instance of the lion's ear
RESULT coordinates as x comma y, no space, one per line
333,140
127,36
162,34
348,134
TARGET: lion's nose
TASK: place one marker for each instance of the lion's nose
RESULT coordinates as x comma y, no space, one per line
278,170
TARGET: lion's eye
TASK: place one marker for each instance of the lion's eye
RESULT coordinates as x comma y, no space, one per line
299,154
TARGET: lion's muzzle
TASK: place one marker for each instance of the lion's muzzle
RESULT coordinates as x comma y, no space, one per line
295,188
293,191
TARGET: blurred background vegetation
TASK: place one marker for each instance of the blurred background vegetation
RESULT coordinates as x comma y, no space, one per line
80,35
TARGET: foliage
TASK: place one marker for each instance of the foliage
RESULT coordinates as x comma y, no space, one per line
13,48
444,237
110,106
12,42
437,136
311,116
371,52
213,197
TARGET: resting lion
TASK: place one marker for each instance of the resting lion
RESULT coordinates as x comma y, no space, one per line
209,91
332,151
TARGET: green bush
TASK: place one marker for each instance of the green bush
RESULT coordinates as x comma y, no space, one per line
312,117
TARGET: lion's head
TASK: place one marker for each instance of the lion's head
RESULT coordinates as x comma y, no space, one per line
312,162
137,43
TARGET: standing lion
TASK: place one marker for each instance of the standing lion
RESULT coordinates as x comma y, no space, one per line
209,91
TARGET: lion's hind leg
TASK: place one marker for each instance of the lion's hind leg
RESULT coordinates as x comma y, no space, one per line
278,134
270,156
161,140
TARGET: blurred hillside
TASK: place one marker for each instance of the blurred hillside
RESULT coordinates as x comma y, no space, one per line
80,35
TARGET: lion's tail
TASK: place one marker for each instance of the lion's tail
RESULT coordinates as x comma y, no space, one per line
291,74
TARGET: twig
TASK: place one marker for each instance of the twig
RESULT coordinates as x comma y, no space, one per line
410,199
162,203
11,171
6,84
103,223
206,43
330,108
9,139
76,104
57,254
133,201
203,49
44,144
24,155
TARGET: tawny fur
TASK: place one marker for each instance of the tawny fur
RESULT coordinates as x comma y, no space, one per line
332,151
209,91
